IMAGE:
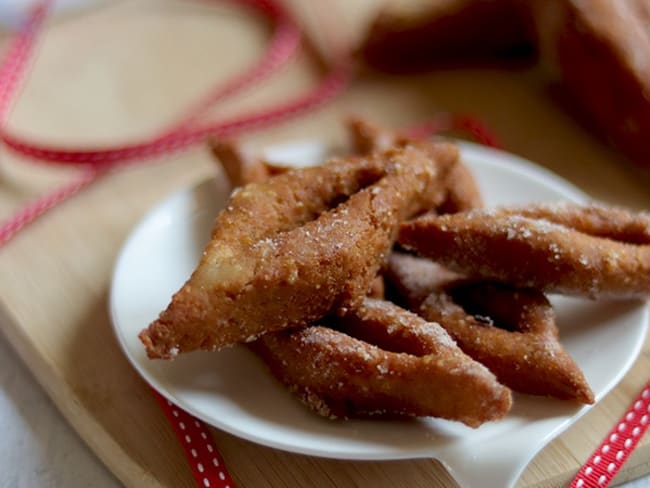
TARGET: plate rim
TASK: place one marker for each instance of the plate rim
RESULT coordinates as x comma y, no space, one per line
496,157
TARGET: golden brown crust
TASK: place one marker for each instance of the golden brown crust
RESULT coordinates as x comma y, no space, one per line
569,249
617,224
382,361
410,279
377,287
462,191
511,331
367,138
240,163
314,232
299,366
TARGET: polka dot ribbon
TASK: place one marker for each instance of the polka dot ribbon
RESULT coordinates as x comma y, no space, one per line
200,450
189,130
607,459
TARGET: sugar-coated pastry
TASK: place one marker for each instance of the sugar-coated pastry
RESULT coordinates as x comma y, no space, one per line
298,246
382,360
511,331
590,251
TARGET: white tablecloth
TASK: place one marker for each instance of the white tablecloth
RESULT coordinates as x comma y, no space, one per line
37,447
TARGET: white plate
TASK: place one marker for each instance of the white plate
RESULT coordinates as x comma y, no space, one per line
233,391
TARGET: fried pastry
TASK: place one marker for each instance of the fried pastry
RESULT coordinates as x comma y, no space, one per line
241,164
367,138
378,327
410,35
383,360
590,251
377,287
462,189
298,246
597,52
511,331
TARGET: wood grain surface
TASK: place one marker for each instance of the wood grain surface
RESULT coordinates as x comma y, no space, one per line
120,72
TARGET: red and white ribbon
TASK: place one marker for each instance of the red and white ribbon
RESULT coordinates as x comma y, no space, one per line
193,435
201,452
202,455
609,457
185,132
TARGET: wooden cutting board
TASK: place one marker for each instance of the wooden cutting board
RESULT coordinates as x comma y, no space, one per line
122,71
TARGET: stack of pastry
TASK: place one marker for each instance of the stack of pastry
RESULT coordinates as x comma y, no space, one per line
597,51
308,267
